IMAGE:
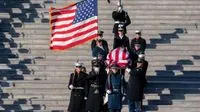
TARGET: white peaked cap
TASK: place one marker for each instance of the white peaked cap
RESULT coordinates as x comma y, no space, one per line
94,58
78,64
137,31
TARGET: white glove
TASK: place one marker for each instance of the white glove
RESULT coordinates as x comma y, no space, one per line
71,86
107,70
123,98
128,70
85,98
108,91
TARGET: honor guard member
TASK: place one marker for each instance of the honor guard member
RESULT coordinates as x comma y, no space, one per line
99,51
136,84
137,49
115,89
138,40
104,42
121,39
121,19
96,88
77,85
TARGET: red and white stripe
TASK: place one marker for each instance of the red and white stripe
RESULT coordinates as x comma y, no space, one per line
119,56
65,34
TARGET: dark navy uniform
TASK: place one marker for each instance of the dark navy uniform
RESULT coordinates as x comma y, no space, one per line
99,51
121,41
115,83
140,41
104,42
120,18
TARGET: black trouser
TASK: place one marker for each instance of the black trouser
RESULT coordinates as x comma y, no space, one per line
114,110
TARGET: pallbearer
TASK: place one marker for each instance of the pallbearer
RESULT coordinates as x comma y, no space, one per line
136,84
115,89
96,87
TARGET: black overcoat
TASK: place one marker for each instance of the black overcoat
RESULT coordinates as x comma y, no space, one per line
136,83
77,102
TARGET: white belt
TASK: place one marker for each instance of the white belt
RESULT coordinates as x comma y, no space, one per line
119,22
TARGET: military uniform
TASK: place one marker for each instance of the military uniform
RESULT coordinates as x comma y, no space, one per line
121,41
136,84
118,42
140,41
116,85
104,42
77,102
99,51
96,90
120,18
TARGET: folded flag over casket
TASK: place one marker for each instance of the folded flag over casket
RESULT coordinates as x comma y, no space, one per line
73,25
119,56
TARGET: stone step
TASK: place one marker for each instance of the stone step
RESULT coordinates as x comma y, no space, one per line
64,102
56,96
163,90
155,16
150,25
35,69
148,31
57,61
151,42
175,75
170,84
23,54
65,73
35,101
4,15
185,94
144,21
86,46
27,107
39,84
33,63
59,93
146,2
105,26
174,67
29,92
16,63
108,35
180,78
165,98
155,108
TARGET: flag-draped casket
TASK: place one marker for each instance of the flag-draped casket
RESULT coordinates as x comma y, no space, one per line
119,56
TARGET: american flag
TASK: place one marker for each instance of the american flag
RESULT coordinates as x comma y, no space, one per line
119,56
73,25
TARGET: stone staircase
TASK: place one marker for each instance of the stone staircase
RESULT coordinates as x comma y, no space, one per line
33,78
